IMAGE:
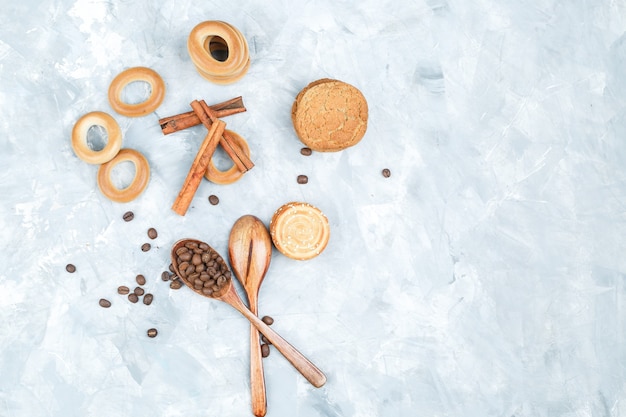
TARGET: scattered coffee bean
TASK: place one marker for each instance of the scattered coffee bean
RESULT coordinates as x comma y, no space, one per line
306,151
386,173
214,200
132,297
152,233
265,350
176,284
128,216
146,247
147,299
139,291
171,268
303,179
70,268
123,289
141,280
264,340
104,303
165,275
152,332
267,320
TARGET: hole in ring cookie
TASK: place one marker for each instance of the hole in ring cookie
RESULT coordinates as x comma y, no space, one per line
138,183
136,92
217,47
97,138
233,173
124,79
82,134
123,174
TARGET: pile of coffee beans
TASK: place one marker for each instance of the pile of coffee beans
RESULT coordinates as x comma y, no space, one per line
203,268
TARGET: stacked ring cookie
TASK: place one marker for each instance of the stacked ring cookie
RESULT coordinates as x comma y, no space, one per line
128,76
299,230
330,115
215,38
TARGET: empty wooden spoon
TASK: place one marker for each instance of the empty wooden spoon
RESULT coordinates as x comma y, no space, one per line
250,252
203,270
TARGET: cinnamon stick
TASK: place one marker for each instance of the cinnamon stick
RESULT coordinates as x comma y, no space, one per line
231,147
182,121
198,168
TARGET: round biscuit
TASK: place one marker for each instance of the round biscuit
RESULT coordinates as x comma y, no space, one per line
330,115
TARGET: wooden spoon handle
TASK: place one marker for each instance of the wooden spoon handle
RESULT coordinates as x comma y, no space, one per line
257,379
297,359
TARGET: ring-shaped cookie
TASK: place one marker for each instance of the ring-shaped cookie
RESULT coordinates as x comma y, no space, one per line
299,230
138,184
137,74
233,173
79,137
234,67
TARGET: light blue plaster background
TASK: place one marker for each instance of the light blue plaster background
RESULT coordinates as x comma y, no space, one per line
485,277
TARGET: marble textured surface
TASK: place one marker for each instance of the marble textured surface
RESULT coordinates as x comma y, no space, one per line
485,277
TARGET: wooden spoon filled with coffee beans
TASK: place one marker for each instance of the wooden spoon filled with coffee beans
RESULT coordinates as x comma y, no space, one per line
203,270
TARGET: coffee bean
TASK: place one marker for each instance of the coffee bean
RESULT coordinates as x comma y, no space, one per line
267,320
139,291
265,350
165,275
128,216
132,297
171,268
303,179
306,151
123,289
146,247
70,268
152,332
386,173
152,233
141,280
264,340
176,284
104,303
182,267
214,200
147,299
